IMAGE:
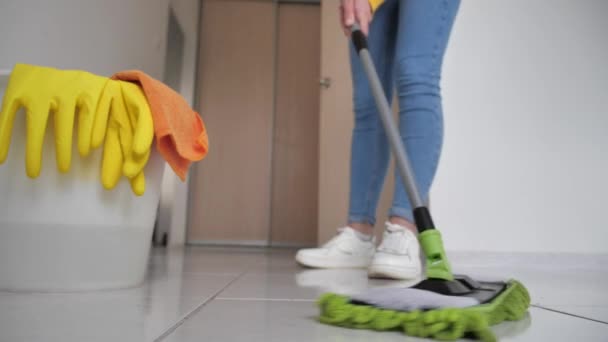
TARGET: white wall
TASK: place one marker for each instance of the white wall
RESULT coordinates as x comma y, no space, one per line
525,161
99,36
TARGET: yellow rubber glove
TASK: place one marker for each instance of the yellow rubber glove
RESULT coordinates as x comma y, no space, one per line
142,123
125,121
40,90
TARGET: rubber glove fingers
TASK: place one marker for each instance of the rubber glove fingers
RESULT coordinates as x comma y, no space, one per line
121,109
135,164
36,123
138,184
140,118
10,106
90,88
107,128
64,115
41,90
80,94
112,159
109,101
112,162
27,89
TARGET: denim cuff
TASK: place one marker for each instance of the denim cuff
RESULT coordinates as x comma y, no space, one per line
354,218
403,213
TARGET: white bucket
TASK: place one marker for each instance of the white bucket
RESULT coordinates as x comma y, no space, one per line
65,232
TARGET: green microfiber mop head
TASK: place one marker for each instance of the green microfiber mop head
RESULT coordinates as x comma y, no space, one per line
441,324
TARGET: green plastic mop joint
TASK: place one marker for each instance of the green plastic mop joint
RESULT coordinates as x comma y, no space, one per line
437,264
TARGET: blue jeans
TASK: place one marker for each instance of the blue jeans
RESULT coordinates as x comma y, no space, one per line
407,41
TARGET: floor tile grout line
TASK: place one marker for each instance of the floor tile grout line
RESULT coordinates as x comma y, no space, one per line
569,314
263,299
197,309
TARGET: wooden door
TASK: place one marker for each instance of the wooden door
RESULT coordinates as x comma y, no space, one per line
259,95
296,133
230,190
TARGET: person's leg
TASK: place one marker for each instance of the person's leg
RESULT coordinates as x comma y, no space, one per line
369,155
423,34
424,27
369,146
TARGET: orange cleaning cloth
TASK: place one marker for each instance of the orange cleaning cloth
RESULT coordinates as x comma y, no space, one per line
181,136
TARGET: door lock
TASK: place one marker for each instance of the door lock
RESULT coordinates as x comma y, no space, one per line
325,82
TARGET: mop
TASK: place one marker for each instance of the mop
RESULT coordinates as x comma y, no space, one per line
443,306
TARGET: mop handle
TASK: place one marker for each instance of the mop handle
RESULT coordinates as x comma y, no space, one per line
384,109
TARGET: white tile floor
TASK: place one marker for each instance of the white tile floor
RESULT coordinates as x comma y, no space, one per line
213,294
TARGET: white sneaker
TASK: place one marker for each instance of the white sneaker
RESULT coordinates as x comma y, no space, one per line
345,250
398,256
